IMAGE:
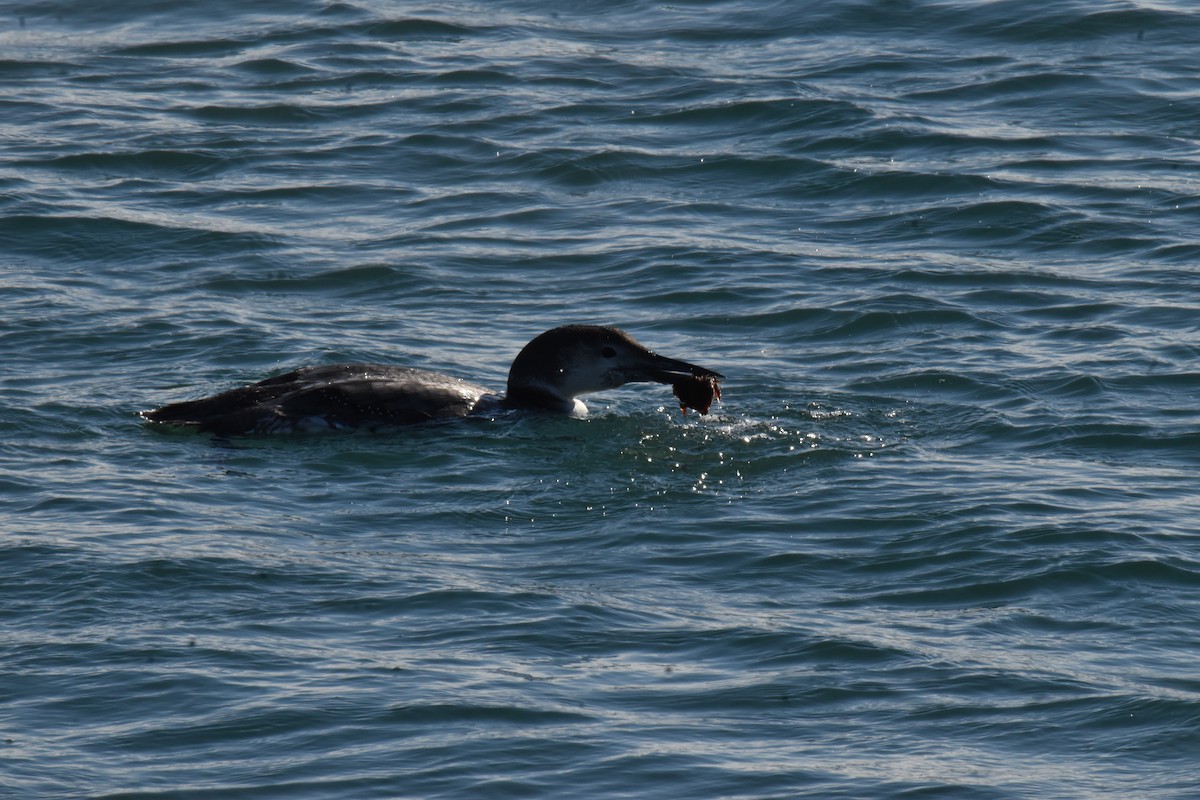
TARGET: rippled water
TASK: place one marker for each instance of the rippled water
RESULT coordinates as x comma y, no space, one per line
940,540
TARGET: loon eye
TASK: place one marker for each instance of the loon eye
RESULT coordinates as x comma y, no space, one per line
608,352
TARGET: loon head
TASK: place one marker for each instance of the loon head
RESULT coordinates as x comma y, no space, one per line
563,363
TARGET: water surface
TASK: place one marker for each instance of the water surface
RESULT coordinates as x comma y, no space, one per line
940,540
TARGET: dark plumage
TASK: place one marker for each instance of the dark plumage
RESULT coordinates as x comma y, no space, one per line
329,397
548,373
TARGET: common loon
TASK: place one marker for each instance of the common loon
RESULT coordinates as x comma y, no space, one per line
549,373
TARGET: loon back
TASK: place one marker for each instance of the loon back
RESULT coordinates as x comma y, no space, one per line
335,397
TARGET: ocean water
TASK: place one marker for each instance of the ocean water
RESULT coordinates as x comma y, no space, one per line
941,539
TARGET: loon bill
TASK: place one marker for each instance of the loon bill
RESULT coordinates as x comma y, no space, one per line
549,373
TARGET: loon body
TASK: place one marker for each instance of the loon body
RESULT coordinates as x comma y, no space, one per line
549,373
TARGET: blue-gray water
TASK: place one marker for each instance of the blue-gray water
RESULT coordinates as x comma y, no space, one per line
940,540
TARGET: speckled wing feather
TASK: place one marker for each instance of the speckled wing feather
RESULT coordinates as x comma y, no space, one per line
336,396
366,394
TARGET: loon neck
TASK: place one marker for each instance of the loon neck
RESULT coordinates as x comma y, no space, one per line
537,397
